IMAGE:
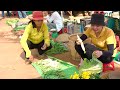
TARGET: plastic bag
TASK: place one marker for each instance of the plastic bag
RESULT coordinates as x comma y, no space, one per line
93,65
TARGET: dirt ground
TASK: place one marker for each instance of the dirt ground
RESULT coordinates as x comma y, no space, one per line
12,64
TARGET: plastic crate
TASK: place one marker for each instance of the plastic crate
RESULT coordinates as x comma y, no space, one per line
67,69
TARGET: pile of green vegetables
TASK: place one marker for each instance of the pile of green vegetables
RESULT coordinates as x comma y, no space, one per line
51,69
22,27
15,21
93,65
57,48
10,22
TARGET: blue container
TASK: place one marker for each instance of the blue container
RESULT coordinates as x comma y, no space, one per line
81,28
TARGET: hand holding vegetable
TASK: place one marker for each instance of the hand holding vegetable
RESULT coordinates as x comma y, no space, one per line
97,53
44,47
78,40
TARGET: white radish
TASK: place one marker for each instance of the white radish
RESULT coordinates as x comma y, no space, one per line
82,45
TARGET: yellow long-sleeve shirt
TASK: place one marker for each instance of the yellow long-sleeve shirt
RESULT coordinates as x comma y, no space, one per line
34,36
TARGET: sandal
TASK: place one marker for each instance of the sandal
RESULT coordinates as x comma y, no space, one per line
28,61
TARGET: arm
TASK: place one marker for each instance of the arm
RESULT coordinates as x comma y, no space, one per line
109,52
111,42
23,41
50,18
46,36
83,37
85,34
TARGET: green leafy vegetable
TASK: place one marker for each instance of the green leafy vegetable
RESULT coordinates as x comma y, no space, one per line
57,48
10,22
22,27
93,65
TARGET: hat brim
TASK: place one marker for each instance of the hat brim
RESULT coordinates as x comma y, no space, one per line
37,18
103,23
31,18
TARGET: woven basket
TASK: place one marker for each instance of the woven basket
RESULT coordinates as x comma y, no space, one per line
72,38
63,38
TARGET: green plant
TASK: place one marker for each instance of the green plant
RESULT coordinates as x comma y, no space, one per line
57,48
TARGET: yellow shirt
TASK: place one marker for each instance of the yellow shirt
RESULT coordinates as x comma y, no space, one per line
107,36
34,36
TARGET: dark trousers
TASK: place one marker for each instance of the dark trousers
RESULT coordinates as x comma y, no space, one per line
38,46
8,13
89,50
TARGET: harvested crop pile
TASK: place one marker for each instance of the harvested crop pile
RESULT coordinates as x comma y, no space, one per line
53,68
93,65
57,48
11,22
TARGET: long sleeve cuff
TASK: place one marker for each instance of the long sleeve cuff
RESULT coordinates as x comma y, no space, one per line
28,54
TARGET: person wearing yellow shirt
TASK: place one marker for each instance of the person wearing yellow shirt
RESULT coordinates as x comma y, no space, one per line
36,35
103,42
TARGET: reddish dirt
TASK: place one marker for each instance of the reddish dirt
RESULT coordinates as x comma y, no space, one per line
66,57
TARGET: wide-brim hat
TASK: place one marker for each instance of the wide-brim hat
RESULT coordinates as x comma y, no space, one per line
97,19
37,15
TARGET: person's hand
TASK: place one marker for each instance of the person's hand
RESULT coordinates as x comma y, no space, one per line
44,47
78,42
97,53
31,58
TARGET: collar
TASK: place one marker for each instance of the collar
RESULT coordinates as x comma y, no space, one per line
101,34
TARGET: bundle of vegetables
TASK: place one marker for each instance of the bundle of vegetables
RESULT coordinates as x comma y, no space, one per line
53,68
57,48
50,69
11,21
21,27
93,65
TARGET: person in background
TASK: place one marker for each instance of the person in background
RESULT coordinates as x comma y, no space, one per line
3,15
54,21
22,14
103,41
36,35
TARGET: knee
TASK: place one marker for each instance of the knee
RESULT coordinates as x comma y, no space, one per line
105,59
77,47
109,59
